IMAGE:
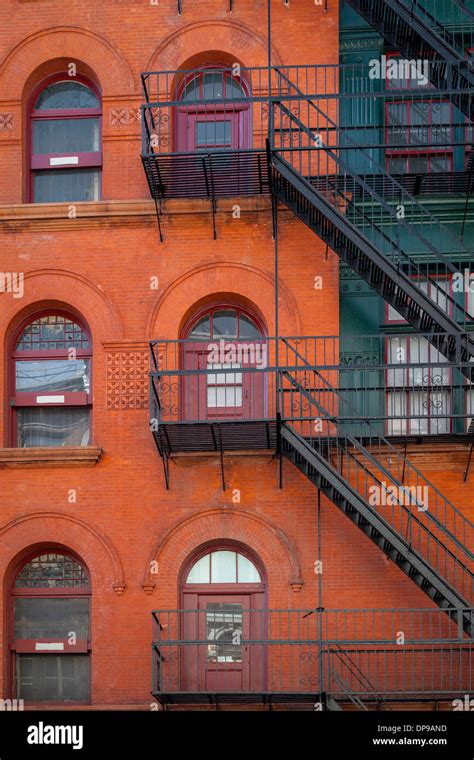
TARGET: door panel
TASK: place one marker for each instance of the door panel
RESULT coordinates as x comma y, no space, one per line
226,393
224,661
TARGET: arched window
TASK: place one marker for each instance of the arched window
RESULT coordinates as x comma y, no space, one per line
52,382
225,338
50,639
223,566
214,114
66,155
223,601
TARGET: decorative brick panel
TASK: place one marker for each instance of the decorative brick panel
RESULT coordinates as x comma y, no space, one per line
120,117
127,379
6,122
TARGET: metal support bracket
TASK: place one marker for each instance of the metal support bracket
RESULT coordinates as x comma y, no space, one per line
166,470
158,218
279,450
210,192
222,459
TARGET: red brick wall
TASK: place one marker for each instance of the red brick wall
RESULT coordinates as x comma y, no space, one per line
101,264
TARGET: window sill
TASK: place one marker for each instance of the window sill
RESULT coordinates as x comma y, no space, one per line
77,456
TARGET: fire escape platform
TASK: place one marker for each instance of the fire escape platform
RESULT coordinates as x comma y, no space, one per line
234,173
223,174
242,697
242,435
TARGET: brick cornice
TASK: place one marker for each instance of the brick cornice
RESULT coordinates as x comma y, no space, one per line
21,217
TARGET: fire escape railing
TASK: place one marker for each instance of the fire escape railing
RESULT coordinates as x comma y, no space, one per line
367,656
348,92
308,379
394,222
385,479
412,27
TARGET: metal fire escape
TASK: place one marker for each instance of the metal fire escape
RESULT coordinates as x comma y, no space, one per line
308,162
409,25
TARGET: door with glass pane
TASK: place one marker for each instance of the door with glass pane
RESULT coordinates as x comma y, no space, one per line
224,661
229,351
223,391
213,114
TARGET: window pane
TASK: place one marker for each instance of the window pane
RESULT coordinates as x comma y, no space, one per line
213,85
397,165
224,627
66,185
426,407
396,354
223,567
246,570
200,572
51,618
52,332
233,88
228,396
66,136
66,95
52,570
53,678
41,426
54,375
396,407
202,329
397,121
212,133
418,164
224,324
247,329
440,164
193,89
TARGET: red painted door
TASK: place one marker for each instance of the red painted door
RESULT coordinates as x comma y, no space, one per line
224,661
224,392
210,129
217,656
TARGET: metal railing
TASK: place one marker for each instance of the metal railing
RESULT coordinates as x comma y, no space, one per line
398,381
366,101
373,655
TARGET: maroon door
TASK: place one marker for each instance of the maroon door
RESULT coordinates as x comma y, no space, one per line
224,392
205,130
224,661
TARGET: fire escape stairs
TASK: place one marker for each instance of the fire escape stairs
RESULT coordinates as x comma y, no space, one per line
360,253
417,34
313,459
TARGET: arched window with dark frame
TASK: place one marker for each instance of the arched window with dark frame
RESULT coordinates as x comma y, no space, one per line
49,628
229,342
65,141
214,112
51,368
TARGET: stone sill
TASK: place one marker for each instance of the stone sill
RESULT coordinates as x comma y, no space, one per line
74,456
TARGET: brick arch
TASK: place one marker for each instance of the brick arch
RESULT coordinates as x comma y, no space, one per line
203,282
97,551
70,44
211,35
263,539
41,290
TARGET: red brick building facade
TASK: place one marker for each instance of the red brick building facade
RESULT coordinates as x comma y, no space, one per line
100,264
